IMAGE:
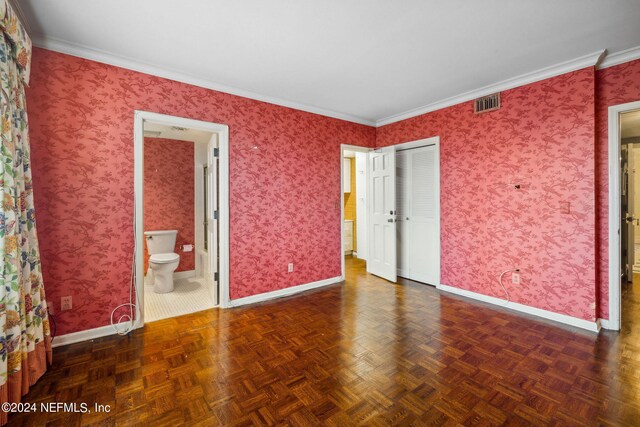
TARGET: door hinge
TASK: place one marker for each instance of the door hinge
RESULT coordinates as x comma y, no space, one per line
215,276
216,215
216,152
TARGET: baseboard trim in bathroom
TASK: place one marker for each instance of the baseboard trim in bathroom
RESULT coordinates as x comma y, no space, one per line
184,274
283,292
87,335
545,314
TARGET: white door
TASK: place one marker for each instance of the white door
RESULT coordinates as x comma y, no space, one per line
403,183
631,215
212,221
418,200
361,205
381,257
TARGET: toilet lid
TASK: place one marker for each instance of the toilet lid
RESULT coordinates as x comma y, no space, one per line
164,258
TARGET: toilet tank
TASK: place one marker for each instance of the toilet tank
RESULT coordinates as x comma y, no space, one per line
160,241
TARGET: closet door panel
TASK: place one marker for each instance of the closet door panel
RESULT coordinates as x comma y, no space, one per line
403,231
424,238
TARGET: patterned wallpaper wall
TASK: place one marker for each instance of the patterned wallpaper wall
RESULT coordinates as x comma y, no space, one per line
614,85
285,195
543,139
546,137
169,199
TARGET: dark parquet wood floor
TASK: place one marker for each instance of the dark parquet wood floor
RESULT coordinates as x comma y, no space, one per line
367,352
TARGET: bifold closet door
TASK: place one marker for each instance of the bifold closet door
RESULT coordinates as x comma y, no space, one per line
417,199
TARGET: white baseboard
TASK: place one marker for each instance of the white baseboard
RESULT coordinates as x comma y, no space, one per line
104,331
284,292
87,335
184,274
606,324
556,317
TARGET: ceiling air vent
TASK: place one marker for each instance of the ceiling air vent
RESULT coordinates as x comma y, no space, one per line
486,103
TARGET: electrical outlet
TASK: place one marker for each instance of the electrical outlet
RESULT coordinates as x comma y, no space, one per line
290,269
65,303
565,207
515,278
50,307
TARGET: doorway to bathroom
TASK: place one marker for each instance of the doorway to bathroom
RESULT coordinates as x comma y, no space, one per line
181,217
354,207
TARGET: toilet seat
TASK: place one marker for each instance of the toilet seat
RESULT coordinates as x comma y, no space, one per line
164,258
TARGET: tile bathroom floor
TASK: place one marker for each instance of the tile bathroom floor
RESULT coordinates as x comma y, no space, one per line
189,296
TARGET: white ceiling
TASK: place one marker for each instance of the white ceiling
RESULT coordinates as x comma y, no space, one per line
363,60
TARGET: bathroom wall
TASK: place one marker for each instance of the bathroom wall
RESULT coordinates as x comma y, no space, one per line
543,138
285,194
350,202
169,195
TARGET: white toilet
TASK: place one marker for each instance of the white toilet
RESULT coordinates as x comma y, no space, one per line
162,260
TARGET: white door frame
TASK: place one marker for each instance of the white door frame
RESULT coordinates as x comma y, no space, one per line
343,148
434,140
223,187
615,307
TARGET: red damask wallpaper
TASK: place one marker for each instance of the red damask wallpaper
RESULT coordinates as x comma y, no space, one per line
169,200
542,139
550,137
615,85
285,193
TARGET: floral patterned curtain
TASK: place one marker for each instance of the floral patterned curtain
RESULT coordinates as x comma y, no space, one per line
25,340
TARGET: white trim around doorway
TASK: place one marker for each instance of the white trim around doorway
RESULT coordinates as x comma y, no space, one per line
615,306
343,148
140,117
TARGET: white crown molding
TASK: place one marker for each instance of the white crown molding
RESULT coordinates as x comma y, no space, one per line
545,314
534,76
284,292
88,334
620,57
596,59
81,51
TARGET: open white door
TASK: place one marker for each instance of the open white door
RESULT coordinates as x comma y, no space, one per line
212,218
631,217
382,256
